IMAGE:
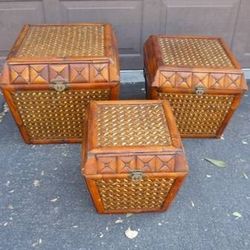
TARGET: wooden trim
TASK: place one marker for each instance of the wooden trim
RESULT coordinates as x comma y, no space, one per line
195,136
191,91
84,142
54,141
172,127
112,75
126,175
16,116
89,166
92,126
115,91
56,60
70,24
156,50
96,198
188,36
234,106
244,85
131,149
229,53
173,192
130,102
167,68
113,86
114,61
108,40
18,42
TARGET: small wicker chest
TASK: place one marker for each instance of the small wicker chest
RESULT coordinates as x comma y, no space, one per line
133,158
51,74
200,78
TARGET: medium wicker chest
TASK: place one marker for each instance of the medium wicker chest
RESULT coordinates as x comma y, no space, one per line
200,78
133,158
51,74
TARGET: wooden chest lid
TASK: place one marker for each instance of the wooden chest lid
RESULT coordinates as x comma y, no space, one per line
54,42
195,52
207,60
125,136
76,53
132,126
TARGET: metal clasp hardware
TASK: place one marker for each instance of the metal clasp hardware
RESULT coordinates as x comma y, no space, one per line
136,175
199,90
59,85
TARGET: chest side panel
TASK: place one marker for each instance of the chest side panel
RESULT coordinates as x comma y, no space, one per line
50,115
199,115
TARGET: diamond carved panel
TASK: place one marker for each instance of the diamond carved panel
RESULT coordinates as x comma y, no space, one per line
39,74
167,79
233,81
99,73
19,74
79,73
201,79
106,165
59,72
146,163
126,164
216,80
183,80
165,163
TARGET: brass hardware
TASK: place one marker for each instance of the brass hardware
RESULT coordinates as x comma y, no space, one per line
199,89
59,85
136,175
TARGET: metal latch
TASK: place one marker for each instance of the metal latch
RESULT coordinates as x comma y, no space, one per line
136,175
199,89
59,85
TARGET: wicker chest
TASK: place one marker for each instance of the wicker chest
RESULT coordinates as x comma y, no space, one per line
133,159
200,78
51,74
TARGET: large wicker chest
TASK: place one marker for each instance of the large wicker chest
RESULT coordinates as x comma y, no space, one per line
51,74
133,158
200,78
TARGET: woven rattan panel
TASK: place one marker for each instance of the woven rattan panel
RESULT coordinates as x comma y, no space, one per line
132,125
55,115
124,194
194,52
199,114
62,41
